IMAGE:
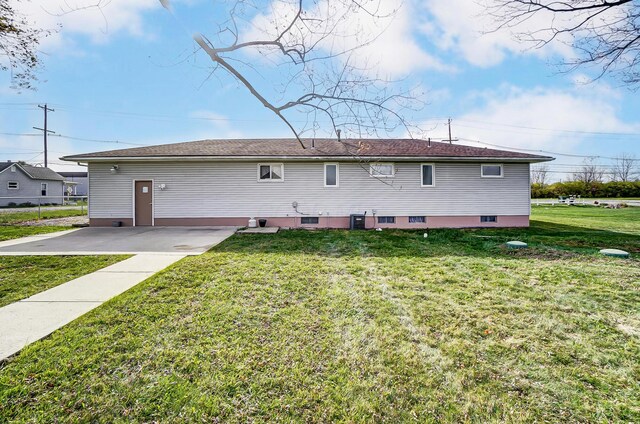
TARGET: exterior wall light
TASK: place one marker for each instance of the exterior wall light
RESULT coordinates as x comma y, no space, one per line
114,169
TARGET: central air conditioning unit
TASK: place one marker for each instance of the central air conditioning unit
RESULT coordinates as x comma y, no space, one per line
356,222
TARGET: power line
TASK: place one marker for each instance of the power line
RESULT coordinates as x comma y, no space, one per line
93,140
553,129
542,151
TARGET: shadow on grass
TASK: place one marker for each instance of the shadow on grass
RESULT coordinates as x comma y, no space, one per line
546,241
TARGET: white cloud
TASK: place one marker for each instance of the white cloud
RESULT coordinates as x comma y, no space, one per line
83,17
540,118
463,26
386,44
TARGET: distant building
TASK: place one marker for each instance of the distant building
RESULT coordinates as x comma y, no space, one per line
77,181
21,183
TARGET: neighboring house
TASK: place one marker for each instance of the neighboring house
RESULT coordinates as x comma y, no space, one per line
21,183
401,183
77,181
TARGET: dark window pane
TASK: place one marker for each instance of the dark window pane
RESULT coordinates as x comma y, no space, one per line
427,175
265,172
386,220
309,220
491,218
492,170
416,219
331,175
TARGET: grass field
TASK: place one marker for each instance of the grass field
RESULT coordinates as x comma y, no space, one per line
359,327
14,231
24,276
12,218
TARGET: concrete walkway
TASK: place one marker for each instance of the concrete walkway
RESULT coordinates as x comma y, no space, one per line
29,320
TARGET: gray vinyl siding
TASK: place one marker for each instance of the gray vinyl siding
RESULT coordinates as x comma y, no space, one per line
29,190
231,189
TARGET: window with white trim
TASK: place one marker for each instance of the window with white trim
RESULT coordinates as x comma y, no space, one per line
427,175
271,172
43,189
331,175
13,185
382,170
491,171
386,220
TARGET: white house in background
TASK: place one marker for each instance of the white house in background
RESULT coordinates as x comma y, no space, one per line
21,183
400,183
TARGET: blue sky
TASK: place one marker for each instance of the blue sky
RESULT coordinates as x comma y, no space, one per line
130,72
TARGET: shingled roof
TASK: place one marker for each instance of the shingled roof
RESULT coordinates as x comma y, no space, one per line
34,172
316,148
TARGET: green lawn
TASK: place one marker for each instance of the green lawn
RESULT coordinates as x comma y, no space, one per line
24,276
15,231
11,218
358,327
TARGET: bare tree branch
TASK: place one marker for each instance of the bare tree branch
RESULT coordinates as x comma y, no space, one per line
312,45
625,168
604,34
590,172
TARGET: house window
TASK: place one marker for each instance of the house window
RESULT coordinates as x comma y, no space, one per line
271,172
386,220
488,218
13,168
381,170
426,174
13,185
309,220
417,219
492,171
43,189
331,176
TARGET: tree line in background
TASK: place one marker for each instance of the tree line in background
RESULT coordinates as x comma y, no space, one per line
622,179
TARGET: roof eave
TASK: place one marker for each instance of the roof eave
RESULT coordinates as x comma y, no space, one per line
535,159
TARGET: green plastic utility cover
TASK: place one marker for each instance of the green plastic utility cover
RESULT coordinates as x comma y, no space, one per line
516,244
615,252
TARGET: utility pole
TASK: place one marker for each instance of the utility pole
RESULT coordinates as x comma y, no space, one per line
44,130
450,139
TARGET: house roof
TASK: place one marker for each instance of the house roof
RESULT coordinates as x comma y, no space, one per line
288,148
79,174
34,172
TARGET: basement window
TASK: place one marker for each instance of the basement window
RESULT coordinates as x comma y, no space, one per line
491,171
309,220
13,185
271,172
488,218
417,220
386,220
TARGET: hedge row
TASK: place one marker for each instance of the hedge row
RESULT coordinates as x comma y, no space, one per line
588,190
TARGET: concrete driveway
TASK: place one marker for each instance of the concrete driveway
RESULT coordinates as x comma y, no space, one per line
123,240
